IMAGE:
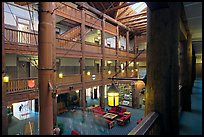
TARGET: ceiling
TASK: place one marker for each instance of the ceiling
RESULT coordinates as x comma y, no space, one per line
193,12
122,12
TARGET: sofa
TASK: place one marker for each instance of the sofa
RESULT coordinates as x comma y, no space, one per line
124,119
117,110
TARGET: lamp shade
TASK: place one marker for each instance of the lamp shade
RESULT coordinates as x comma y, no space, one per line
113,96
6,79
31,83
60,75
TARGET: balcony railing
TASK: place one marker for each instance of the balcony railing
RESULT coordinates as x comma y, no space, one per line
21,84
68,12
69,79
20,37
145,127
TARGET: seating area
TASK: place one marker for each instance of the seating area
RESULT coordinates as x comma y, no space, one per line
74,132
123,120
98,110
140,120
117,110
123,117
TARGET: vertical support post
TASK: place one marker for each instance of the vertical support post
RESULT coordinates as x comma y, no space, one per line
127,41
162,68
4,85
101,88
186,74
82,61
135,95
117,40
126,69
45,72
55,68
135,44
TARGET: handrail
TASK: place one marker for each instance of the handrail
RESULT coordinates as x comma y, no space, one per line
146,125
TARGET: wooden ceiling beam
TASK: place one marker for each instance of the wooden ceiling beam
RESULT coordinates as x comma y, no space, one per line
137,22
22,3
139,25
119,7
123,12
137,19
102,5
134,15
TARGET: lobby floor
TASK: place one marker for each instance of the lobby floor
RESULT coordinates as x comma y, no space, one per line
191,122
83,122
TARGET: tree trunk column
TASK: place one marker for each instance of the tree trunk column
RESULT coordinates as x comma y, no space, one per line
186,74
162,67
135,96
102,98
117,40
189,61
55,70
45,72
101,88
82,61
127,41
135,45
4,85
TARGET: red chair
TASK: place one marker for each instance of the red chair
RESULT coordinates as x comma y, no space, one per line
74,132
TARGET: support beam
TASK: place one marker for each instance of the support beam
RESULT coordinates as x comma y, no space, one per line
134,15
162,68
4,85
119,7
137,22
88,7
136,19
127,41
101,88
45,72
82,61
139,25
123,12
55,70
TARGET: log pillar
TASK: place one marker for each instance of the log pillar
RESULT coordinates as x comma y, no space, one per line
162,68
82,61
135,96
127,41
45,72
4,85
117,40
186,76
101,88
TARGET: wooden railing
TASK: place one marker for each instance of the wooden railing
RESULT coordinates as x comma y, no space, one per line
92,21
110,28
68,44
68,12
20,37
88,78
146,126
21,84
69,79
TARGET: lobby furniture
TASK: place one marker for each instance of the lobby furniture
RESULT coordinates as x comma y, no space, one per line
124,119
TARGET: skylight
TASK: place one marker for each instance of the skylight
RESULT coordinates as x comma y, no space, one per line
138,7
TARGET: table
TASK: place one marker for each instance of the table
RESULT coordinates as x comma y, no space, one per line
110,115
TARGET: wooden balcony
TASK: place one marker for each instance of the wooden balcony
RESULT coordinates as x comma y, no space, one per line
110,29
92,21
17,41
68,12
92,50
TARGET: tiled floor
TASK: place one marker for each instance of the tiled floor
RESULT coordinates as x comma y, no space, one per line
191,122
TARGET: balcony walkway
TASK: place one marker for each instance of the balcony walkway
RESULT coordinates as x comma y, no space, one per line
191,122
